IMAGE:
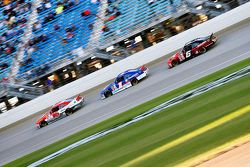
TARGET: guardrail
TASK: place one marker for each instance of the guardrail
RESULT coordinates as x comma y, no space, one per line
148,55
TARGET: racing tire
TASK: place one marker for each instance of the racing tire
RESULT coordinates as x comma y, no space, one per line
43,124
174,63
69,112
107,94
203,50
134,82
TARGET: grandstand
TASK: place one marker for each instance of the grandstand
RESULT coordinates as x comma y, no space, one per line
57,45
13,23
50,43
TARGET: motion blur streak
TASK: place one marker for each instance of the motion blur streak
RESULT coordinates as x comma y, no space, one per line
189,136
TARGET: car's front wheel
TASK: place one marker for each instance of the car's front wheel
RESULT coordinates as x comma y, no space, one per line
69,112
174,63
134,82
107,94
43,123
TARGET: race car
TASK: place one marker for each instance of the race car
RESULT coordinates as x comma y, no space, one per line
192,49
60,110
125,80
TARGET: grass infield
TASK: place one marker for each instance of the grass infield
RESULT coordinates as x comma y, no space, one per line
127,144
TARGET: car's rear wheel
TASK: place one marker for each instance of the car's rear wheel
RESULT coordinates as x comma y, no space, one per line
107,94
202,50
69,112
43,123
134,82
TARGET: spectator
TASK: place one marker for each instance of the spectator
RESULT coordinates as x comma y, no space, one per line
151,1
69,35
56,27
47,4
86,13
91,26
105,28
59,8
68,4
36,26
50,17
71,28
64,41
3,66
6,2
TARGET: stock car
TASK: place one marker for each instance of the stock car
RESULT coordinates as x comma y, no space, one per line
124,80
192,49
60,110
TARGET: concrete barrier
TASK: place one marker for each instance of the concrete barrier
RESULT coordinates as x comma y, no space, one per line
148,55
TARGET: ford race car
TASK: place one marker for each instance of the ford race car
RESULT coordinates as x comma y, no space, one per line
60,110
192,49
125,80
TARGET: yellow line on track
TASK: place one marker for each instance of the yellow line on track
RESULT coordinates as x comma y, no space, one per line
188,136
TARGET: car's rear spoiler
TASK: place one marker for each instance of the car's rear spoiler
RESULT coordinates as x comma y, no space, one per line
79,97
143,68
211,36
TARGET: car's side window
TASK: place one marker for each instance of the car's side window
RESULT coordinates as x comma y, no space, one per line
61,106
120,79
195,44
55,109
127,76
187,47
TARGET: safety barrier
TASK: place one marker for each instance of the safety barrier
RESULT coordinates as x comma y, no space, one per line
148,55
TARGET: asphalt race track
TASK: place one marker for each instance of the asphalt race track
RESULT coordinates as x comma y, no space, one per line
23,138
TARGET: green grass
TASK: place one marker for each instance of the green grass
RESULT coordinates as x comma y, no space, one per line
135,140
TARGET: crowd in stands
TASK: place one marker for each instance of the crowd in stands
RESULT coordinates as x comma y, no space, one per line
53,27
14,16
51,30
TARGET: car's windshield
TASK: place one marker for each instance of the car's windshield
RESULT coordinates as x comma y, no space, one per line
54,109
119,79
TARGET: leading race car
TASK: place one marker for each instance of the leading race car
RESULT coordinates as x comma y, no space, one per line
125,80
60,110
192,49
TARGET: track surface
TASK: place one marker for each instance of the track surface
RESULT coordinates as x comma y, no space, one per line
23,138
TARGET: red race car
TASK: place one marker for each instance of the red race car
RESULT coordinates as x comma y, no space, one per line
192,49
60,110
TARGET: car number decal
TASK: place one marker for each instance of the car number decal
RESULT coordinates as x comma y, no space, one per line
188,54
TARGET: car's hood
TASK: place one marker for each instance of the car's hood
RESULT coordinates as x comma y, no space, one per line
45,116
175,55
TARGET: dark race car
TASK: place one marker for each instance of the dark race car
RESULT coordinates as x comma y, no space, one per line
124,80
60,110
192,49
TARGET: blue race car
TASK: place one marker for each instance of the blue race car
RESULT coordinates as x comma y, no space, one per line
124,80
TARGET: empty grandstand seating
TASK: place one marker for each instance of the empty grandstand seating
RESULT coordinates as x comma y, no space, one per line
11,32
57,46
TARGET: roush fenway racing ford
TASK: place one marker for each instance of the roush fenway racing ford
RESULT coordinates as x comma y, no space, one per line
60,110
125,80
192,49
